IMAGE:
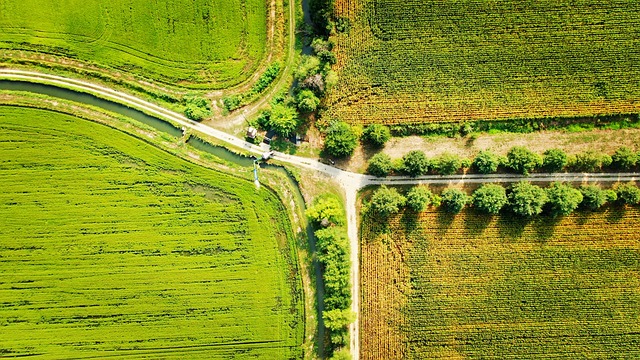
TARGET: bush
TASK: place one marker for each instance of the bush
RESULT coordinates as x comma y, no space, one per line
486,162
283,119
326,211
380,165
266,79
611,195
624,158
341,140
555,160
454,200
593,197
418,198
490,198
628,194
386,201
415,163
523,160
376,135
232,102
307,101
197,108
526,199
562,199
590,161
448,164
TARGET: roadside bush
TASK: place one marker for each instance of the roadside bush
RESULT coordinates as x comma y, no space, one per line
590,161
562,199
418,198
555,160
522,160
447,164
611,195
376,135
593,197
490,198
624,159
526,199
415,163
454,200
386,201
326,211
231,102
266,78
380,164
486,162
197,108
628,194
341,140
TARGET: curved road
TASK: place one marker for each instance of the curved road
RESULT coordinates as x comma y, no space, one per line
350,182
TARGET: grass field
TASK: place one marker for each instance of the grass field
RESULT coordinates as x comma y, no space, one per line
431,61
111,247
475,287
199,43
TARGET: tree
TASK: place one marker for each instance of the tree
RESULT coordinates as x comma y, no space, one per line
325,211
490,198
611,195
380,164
629,194
555,160
526,199
448,164
342,354
307,101
593,197
624,158
454,200
337,319
486,162
197,108
341,140
415,163
283,119
418,198
386,201
376,135
562,199
590,161
523,160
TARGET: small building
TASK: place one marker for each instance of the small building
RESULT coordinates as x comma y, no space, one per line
252,132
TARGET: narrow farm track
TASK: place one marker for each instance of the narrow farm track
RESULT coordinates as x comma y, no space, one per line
350,182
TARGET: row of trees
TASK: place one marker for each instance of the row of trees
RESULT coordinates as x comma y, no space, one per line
332,246
518,160
522,198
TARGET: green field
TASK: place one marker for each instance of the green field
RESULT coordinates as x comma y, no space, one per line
435,286
432,61
199,43
112,247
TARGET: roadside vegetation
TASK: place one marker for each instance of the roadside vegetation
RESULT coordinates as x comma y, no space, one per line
94,223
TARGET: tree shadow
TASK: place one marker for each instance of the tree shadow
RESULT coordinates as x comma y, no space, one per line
615,213
545,227
511,226
477,222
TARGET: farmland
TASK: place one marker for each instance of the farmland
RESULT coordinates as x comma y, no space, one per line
200,43
112,247
437,286
438,61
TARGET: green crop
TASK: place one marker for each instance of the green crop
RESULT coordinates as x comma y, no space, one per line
112,247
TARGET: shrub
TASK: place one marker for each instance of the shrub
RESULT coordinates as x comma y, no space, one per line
197,108
611,195
590,161
624,158
376,135
380,164
418,198
448,164
232,102
628,194
386,201
283,119
341,140
415,163
523,160
555,160
266,79
490,198
562,199
454,200
486,162
526,199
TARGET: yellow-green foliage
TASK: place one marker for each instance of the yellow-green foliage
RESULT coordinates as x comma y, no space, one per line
111,247
444,60
473,286
211,43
